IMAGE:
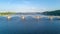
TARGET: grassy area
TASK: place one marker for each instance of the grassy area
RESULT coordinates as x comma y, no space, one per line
6,13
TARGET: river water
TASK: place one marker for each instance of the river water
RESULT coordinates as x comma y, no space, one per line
30,25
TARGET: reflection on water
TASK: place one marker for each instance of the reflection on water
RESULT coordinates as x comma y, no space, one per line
29,25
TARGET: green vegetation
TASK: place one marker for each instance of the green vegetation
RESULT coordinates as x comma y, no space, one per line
6,13
56,13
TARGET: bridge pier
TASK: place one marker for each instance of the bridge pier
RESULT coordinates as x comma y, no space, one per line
37,17
58,16
50,17
8,17
23,17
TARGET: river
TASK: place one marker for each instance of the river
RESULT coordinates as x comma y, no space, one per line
30,25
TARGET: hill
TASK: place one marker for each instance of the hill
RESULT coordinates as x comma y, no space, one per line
55,13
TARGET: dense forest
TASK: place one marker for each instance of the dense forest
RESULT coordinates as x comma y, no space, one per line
55,13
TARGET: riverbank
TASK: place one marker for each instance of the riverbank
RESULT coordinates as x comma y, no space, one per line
6,13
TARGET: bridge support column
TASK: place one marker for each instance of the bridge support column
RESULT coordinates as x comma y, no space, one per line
23,17
58,17
50,17
8,17
37,18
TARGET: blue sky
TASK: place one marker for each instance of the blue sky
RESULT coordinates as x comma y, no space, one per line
29,5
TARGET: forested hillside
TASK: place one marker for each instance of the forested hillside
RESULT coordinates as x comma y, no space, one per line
56,13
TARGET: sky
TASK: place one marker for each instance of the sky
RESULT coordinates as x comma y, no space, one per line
29,5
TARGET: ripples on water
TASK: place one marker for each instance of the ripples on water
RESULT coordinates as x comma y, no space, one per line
29,26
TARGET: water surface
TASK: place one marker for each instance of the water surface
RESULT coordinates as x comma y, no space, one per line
30,25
